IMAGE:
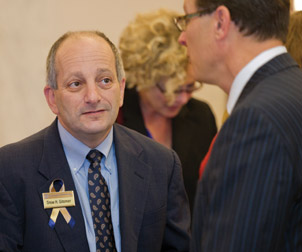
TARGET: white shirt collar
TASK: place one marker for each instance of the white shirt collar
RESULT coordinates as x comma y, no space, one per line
247,72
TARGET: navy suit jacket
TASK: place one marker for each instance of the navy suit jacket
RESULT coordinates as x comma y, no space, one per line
154,212
250,196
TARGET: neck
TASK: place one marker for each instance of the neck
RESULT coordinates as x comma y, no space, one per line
241,53
158,125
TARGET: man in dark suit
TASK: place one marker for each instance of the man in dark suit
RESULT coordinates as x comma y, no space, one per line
146,208
250,194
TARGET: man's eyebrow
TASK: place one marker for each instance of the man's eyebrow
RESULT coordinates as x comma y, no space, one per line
104,70
78,74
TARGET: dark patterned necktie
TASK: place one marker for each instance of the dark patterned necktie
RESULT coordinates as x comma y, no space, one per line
99,199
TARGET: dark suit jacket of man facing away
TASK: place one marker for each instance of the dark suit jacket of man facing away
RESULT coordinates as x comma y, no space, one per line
257,163
154,213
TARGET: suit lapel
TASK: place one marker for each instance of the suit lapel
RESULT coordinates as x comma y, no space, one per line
133,187
55,166
274,66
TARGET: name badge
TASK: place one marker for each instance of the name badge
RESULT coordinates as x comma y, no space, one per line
58,199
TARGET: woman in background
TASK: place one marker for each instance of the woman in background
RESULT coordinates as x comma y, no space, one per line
158,99
294,37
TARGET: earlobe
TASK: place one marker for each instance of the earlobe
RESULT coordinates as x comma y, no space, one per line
50,98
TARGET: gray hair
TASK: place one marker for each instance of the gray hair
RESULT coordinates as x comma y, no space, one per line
51,73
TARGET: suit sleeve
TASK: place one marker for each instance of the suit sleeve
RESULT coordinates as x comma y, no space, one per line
177,233
10,223
244,197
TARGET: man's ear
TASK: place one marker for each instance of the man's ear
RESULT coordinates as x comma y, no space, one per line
50,98
222,17
122,91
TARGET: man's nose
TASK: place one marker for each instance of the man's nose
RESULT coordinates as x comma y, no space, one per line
182,39
92,93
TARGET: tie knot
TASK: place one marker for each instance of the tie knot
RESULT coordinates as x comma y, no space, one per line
94,156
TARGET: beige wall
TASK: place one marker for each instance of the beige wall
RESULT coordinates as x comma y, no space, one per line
27,30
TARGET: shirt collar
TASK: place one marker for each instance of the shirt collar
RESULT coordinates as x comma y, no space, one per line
247,72
76,151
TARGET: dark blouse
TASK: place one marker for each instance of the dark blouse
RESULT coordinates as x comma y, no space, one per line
192,131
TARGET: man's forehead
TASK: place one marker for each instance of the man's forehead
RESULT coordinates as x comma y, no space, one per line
78,40
85,46
189,6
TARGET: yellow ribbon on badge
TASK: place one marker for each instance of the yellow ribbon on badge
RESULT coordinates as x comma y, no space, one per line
60,199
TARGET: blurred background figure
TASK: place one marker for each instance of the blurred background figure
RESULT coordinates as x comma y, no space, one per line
158,98
294,37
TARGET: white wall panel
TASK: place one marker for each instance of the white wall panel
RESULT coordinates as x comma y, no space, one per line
27,30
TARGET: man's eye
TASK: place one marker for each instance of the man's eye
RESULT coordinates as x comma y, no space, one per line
74,84
106,81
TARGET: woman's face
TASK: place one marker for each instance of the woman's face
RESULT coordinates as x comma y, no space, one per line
153,99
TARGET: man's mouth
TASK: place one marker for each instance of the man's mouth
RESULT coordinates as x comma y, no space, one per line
93,112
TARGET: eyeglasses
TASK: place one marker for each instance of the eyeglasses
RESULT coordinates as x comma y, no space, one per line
181,22
189,88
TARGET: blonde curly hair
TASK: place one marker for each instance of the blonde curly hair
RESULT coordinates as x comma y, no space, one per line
151,53
294,37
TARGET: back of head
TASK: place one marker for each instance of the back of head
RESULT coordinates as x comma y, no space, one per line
264,19
150,51
294,37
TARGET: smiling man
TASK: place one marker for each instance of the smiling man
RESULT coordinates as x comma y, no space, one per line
84,183
249,198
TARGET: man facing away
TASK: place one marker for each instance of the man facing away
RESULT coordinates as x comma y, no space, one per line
83,183
250,195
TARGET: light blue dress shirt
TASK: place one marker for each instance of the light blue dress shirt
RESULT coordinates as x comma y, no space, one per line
76,153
